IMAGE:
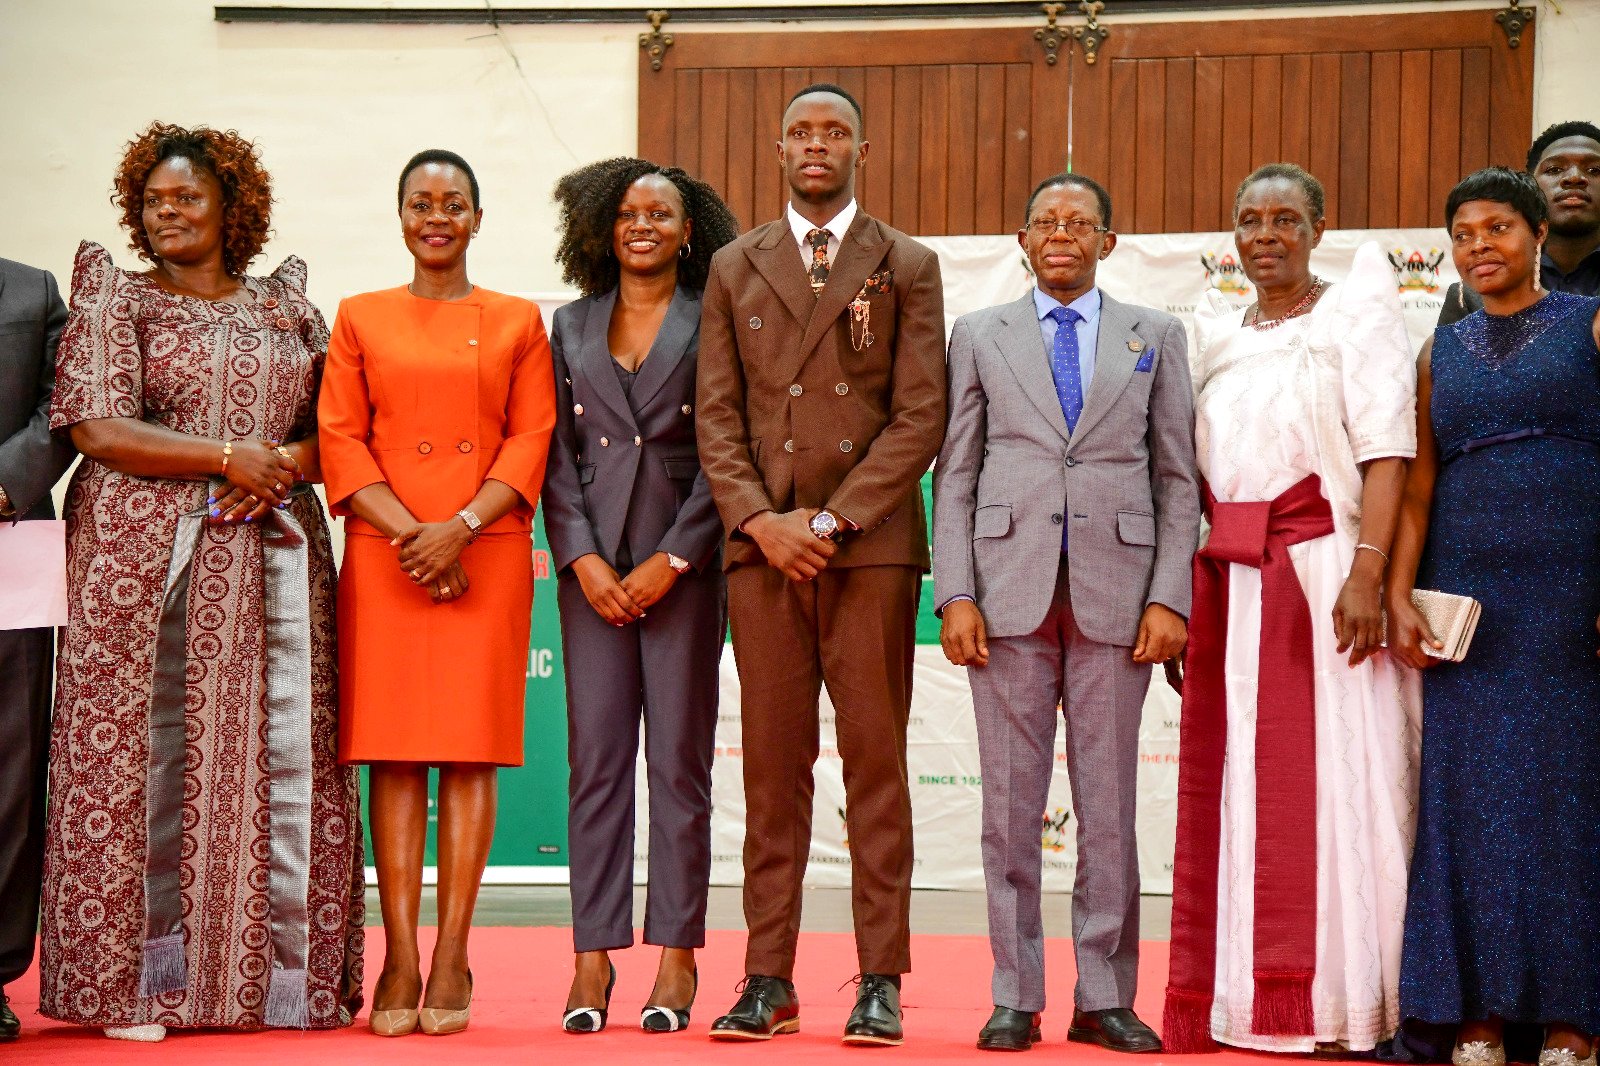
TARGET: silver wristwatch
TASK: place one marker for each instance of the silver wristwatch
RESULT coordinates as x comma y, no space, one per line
825,525
471,520
680,565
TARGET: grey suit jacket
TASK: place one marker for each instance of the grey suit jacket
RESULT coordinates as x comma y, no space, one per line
1125,484
611,472
32,460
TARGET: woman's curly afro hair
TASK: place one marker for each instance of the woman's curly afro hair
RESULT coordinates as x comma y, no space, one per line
228,157
589,198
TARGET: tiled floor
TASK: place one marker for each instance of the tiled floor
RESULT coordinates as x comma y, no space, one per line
825,910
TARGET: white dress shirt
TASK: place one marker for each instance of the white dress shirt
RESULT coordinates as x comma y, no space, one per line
836,227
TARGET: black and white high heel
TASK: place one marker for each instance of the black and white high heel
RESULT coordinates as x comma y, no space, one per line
655,1019
590,1019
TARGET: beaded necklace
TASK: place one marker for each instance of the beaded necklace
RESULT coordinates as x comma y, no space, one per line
1317,285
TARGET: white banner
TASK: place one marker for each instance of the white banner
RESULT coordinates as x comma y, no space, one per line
1166,272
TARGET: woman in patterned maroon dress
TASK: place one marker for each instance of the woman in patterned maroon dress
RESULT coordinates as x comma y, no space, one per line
203,864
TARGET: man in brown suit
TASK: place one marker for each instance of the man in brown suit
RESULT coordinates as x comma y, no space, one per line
822,403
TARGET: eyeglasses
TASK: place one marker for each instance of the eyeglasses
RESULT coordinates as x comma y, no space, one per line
1078,228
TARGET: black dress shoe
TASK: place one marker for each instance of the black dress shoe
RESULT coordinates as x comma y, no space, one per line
1117,1029
10,1026
767,1008
876,1020
1009,1030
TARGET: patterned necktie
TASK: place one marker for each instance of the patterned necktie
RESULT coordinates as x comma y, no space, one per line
1064,365
818,239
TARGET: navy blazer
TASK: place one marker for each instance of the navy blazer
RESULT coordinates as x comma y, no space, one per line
32,459
613,473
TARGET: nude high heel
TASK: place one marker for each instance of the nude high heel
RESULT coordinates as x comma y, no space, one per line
436,1021
393,1022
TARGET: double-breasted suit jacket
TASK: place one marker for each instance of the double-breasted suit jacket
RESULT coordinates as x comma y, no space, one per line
1122,486
31,461
624,482
808,402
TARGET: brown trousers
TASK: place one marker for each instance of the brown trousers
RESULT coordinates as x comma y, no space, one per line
854,630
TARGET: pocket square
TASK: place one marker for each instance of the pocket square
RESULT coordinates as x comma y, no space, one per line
878,284
1146,362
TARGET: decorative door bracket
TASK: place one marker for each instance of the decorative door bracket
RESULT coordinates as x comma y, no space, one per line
1514,19
655,43
1052,36
1091,34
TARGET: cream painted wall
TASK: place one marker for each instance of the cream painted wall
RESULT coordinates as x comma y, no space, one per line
337,109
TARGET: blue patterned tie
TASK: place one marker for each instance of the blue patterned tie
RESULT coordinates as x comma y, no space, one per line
1064,365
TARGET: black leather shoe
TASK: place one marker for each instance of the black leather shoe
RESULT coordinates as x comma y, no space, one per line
876,1020
1117,1029
10,1026
767,1008
1009,1030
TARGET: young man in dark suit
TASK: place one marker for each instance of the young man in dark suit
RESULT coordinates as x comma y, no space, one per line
31,462
821,405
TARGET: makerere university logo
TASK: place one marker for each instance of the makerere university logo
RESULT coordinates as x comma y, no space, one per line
1415,271
1225,275
1053,834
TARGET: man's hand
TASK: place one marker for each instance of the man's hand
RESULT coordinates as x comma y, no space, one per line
963,635
788,543
1162,634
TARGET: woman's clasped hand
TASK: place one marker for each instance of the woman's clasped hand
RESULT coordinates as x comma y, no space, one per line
259,476
430,554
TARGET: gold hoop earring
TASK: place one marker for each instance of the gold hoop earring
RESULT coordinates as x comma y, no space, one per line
684,251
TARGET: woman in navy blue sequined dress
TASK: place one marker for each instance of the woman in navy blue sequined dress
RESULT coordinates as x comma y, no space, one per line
1503,919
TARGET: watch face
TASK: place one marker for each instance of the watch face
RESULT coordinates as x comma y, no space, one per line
824,524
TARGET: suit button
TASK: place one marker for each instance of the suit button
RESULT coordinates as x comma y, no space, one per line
465,446
424,447
842,389
688,409
473,341
637,441
1056,519
605,442
577,408
755,323
795,390
845,446
788,445
1071,461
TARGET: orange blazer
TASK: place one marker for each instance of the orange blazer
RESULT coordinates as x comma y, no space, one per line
434,397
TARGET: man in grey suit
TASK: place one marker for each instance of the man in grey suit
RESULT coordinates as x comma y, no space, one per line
31,462
1066,514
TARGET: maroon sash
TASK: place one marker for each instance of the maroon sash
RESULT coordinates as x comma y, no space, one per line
1285,947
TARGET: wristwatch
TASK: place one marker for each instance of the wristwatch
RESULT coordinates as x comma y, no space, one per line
6,510
471,520
825,526
680,565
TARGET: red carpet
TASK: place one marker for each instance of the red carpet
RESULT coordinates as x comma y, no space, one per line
522,977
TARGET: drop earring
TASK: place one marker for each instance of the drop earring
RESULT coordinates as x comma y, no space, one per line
1538,262
684,251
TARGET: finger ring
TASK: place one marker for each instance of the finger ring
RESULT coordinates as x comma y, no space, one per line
445,593
277,486
252,500
416,574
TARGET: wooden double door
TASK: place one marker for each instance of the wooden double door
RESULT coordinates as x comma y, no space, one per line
1389,111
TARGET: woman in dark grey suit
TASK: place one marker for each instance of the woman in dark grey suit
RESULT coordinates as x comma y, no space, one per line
635,536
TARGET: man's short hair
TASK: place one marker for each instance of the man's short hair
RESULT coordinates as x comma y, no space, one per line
1072,181
1560,132
836,90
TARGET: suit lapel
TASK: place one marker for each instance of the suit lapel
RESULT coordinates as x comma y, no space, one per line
596,362
1022,345
672,341
776,258
861,249
1113,362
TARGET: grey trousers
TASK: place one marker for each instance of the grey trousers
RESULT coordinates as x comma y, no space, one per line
1015,698
24,742
661,670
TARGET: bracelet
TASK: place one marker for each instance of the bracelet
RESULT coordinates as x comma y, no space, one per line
227,453
1371,548
299,472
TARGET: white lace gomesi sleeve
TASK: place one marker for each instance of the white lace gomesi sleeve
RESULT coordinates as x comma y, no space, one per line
1377,368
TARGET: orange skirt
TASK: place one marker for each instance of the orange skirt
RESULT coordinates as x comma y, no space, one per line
434,683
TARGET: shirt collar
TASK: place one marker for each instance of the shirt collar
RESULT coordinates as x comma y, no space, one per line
1087,305
1591,261
837,225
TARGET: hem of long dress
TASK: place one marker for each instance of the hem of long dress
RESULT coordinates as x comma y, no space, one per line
116,1023
1298,1045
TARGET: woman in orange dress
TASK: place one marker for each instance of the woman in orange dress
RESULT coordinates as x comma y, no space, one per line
436,410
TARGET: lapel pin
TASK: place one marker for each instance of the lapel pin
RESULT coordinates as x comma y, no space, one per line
1136,346
755,323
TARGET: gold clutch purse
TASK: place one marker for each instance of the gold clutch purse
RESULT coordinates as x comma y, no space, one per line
1452,618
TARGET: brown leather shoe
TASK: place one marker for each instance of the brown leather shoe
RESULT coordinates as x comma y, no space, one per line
1117,1029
